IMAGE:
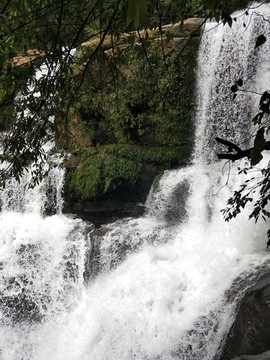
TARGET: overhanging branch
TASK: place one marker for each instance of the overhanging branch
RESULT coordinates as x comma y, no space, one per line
239,153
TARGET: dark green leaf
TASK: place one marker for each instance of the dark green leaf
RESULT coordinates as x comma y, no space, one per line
259,144
259,141
234,88
261,39
136,11
257,119
239,82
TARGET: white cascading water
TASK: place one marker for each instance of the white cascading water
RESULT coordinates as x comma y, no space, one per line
163,286
41,262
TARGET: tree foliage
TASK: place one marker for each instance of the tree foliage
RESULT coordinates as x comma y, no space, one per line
255,190
42,35
105,167
38,33
149,107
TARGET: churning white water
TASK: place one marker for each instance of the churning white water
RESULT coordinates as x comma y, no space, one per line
160,287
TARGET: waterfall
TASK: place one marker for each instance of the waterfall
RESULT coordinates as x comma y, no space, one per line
41,262
160,287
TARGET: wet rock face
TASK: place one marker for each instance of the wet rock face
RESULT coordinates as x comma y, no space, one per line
92,265
20,308
17,302
250,333
177,209
121,201
19,305
264,356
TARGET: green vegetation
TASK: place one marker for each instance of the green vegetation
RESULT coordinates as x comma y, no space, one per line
104,166
156,104
33,32
128,83
145,118
256,185
156,180
151,103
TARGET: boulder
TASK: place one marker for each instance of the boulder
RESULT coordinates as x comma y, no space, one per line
263,356
121,200
250,333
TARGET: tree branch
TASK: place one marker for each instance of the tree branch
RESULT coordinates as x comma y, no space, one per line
239,153
5,7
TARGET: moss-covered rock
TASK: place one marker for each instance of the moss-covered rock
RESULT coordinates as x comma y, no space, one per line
101,169
133,122
109,181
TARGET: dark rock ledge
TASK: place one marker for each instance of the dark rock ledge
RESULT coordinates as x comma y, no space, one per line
263,356
249,337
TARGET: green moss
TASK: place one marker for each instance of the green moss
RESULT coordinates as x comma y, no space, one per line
156,180
104,166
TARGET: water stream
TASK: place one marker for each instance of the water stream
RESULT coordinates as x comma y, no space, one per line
160,287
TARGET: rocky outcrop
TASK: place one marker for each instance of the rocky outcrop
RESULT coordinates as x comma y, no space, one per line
121,201
181,30
263,356
72,133
127,147
250,333
30,57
